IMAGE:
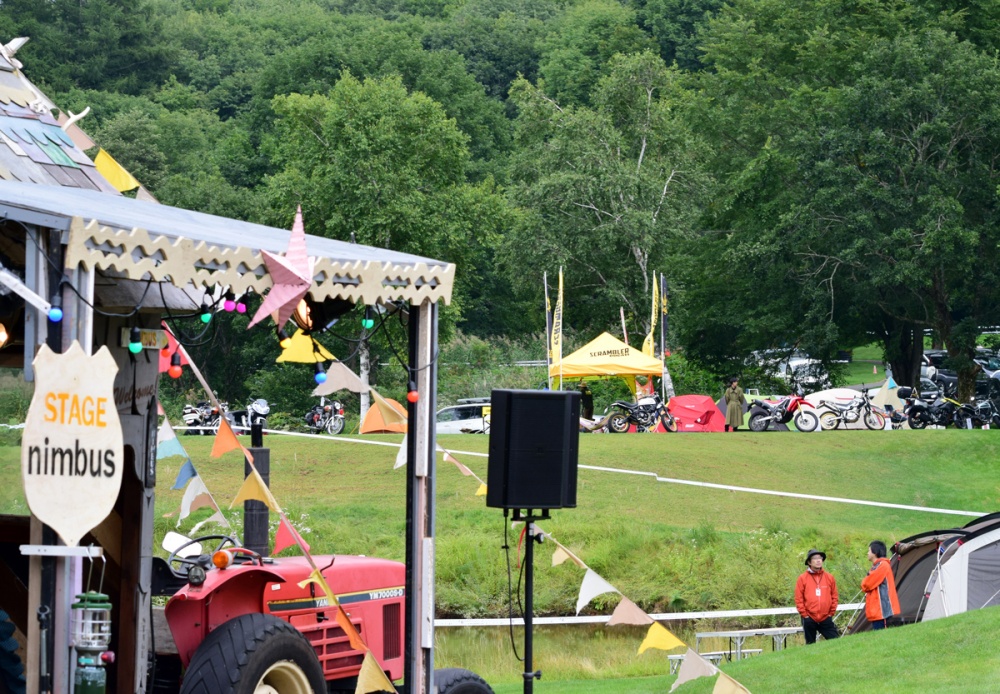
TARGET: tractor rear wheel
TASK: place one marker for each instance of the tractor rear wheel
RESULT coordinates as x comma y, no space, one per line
455,680
254,654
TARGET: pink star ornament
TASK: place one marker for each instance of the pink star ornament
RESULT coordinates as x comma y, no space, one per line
292,275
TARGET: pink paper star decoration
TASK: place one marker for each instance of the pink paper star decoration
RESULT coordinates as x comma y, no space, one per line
292,275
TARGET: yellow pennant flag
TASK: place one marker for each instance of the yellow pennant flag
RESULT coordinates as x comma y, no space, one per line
314,577
557,324
481,491
372,678
659,637
114,173
303,349
254,489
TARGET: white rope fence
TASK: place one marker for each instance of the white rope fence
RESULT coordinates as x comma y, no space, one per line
669,480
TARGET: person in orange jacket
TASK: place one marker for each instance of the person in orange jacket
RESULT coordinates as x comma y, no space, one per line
816,598
879,586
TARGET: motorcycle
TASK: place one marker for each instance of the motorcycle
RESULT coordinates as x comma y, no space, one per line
942,412
987,412
860,408
255,413
790,408
203,417
326,415
644,414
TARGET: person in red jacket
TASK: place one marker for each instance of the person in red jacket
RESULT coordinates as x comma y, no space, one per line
816,598
879,585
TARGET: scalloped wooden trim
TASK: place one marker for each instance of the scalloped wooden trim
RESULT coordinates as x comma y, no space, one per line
140,256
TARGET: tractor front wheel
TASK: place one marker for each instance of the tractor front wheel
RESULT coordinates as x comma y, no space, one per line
455,680
254,654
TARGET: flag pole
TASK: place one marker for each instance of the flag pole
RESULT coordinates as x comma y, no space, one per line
548,331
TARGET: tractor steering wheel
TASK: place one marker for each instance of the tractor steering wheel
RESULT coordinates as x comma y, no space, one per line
198,561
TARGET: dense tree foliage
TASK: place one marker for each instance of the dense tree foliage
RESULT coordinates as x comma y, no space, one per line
811,173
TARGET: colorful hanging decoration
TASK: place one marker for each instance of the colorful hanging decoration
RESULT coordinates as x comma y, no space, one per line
292,274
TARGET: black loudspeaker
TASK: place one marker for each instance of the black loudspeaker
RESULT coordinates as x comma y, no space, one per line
534,445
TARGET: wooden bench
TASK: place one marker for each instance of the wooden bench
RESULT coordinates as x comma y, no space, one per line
714,657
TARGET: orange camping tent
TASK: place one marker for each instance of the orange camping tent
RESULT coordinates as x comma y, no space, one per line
374,422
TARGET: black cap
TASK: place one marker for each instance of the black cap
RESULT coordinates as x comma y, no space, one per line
814,552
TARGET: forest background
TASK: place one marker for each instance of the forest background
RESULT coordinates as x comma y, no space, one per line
807,174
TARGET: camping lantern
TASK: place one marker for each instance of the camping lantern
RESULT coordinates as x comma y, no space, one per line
92,622
91,637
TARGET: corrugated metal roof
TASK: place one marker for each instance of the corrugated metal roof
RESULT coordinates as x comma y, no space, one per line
145,239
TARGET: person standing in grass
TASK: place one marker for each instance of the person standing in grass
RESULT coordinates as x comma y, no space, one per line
735,402
586,400
879,586
816,598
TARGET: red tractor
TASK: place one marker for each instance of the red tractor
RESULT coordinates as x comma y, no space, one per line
242,623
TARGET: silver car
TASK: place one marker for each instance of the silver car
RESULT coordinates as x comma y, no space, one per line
470,416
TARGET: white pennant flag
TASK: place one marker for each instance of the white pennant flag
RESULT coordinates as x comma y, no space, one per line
692,667
216,517
592,586
400,457
195,487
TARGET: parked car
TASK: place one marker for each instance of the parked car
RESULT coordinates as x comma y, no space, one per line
802,372
470,416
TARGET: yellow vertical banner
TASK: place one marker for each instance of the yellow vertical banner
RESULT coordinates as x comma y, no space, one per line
647,344
557,323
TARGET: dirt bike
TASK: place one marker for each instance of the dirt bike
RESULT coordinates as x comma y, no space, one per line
644,414
790,408
327,416
860,408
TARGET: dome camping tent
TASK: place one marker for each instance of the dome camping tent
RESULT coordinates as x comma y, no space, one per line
696,413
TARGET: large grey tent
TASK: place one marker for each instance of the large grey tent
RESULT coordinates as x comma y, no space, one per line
916,561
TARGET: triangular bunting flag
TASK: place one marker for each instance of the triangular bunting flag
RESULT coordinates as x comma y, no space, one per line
172,348
692,667
114,173
659,637
592,586
314,577
253,488
352,631
186,472
167,444
481,491
225,440
628,612
159,409
286,536
203,500
461,468
400,457
194,489
727,685
339,377
562,554
390,415
216,517
371,678
303,349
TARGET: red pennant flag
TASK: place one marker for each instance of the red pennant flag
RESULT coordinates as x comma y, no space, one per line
171,349
287,536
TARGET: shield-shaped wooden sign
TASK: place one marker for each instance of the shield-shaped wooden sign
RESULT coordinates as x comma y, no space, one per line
72,454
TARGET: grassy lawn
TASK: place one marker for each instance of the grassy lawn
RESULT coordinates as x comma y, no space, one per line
668,547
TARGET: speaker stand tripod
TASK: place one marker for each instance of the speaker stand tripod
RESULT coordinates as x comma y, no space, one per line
529,586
